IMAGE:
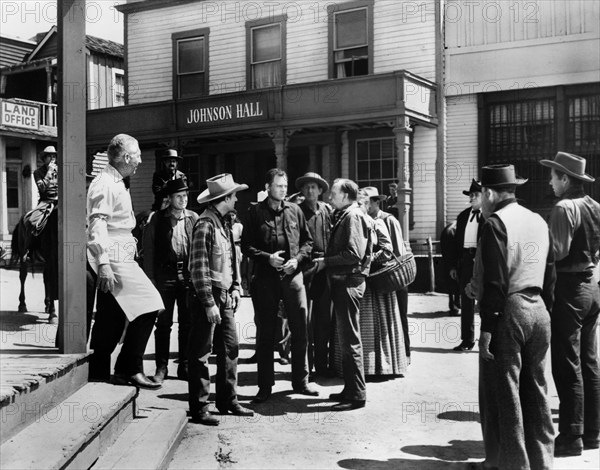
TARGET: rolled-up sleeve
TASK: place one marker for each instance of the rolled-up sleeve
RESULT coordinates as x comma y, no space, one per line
100,206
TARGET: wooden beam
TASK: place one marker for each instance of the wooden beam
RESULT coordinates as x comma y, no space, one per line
72,336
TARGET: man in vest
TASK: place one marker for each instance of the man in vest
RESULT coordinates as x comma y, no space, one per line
468,230
318,216
167,239
575,226
169,171
215,271
400,249
518,284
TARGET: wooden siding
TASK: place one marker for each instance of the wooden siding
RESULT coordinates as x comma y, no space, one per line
405,37
150,48
424,183
461,151
100,80
495,22
12,51
141,183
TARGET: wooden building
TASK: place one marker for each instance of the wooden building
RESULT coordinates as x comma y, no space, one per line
346,89
28,81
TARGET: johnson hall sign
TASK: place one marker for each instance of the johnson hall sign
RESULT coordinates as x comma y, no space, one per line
191,116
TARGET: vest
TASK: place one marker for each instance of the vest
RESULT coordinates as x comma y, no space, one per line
527,247
586,239
223,263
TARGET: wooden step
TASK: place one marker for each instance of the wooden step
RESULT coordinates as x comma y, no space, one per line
73,434
149,441
32,384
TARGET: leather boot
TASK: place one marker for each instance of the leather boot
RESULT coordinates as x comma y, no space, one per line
160,375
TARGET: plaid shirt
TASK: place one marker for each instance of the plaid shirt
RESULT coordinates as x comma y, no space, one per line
200,255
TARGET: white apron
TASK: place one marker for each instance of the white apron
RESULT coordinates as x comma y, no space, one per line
133,291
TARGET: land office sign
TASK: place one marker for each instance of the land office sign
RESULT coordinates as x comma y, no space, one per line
24,116
214,113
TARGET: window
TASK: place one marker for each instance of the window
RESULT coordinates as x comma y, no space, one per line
118,87
522,130
266,53
12,187
190,63
376,163
351,40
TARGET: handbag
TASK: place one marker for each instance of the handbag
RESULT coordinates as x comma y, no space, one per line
397,273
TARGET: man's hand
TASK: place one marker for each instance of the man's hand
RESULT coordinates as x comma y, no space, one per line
320,262
291,266
469,291
236,298
453,274
213,315
106,278
485,337
276,260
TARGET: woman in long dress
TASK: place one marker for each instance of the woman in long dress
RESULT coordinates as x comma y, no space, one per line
380,327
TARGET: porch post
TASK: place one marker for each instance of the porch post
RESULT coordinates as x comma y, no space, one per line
3,191
280,141
72,335
402,133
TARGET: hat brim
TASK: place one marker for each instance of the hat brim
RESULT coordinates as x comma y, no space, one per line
468,193
205,195
518,182
381,197
168,157
559,167
300,182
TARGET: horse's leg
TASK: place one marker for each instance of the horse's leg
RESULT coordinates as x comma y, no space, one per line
22,277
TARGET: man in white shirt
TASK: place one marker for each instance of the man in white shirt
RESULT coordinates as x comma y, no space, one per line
124,291
468,230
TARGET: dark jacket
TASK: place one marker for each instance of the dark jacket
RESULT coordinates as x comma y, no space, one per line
350,245
47,184
256,237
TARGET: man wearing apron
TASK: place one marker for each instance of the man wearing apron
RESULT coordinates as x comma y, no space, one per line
124,291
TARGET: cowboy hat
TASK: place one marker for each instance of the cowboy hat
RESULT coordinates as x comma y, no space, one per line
475,188
175,186
500,175
373,193
312,177
570,164
169,153
50,149
219,186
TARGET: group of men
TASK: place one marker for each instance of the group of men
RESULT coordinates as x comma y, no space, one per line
297,251
537,290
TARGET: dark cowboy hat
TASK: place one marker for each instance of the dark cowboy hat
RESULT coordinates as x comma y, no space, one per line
169,153
219,186
175,186
312,177
373,193
572,165
49,150
500,175
475,188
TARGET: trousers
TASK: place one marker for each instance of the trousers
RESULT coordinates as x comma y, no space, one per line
467,313
106,332
346,292
575,365
320,325
205,336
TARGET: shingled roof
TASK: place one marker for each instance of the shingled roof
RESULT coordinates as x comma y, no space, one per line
104,46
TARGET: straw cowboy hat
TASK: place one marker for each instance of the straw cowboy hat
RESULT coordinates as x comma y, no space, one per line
49,150
572,165
500,175
312,177
475,188
219,186
169,153
373,193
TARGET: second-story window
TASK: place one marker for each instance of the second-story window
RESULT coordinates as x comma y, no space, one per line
266,53
190,57
351,40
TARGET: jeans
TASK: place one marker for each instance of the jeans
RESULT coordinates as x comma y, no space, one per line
203,337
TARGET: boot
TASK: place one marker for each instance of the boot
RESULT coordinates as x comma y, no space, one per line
160,375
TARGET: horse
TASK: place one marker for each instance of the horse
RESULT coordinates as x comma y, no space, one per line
44,248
